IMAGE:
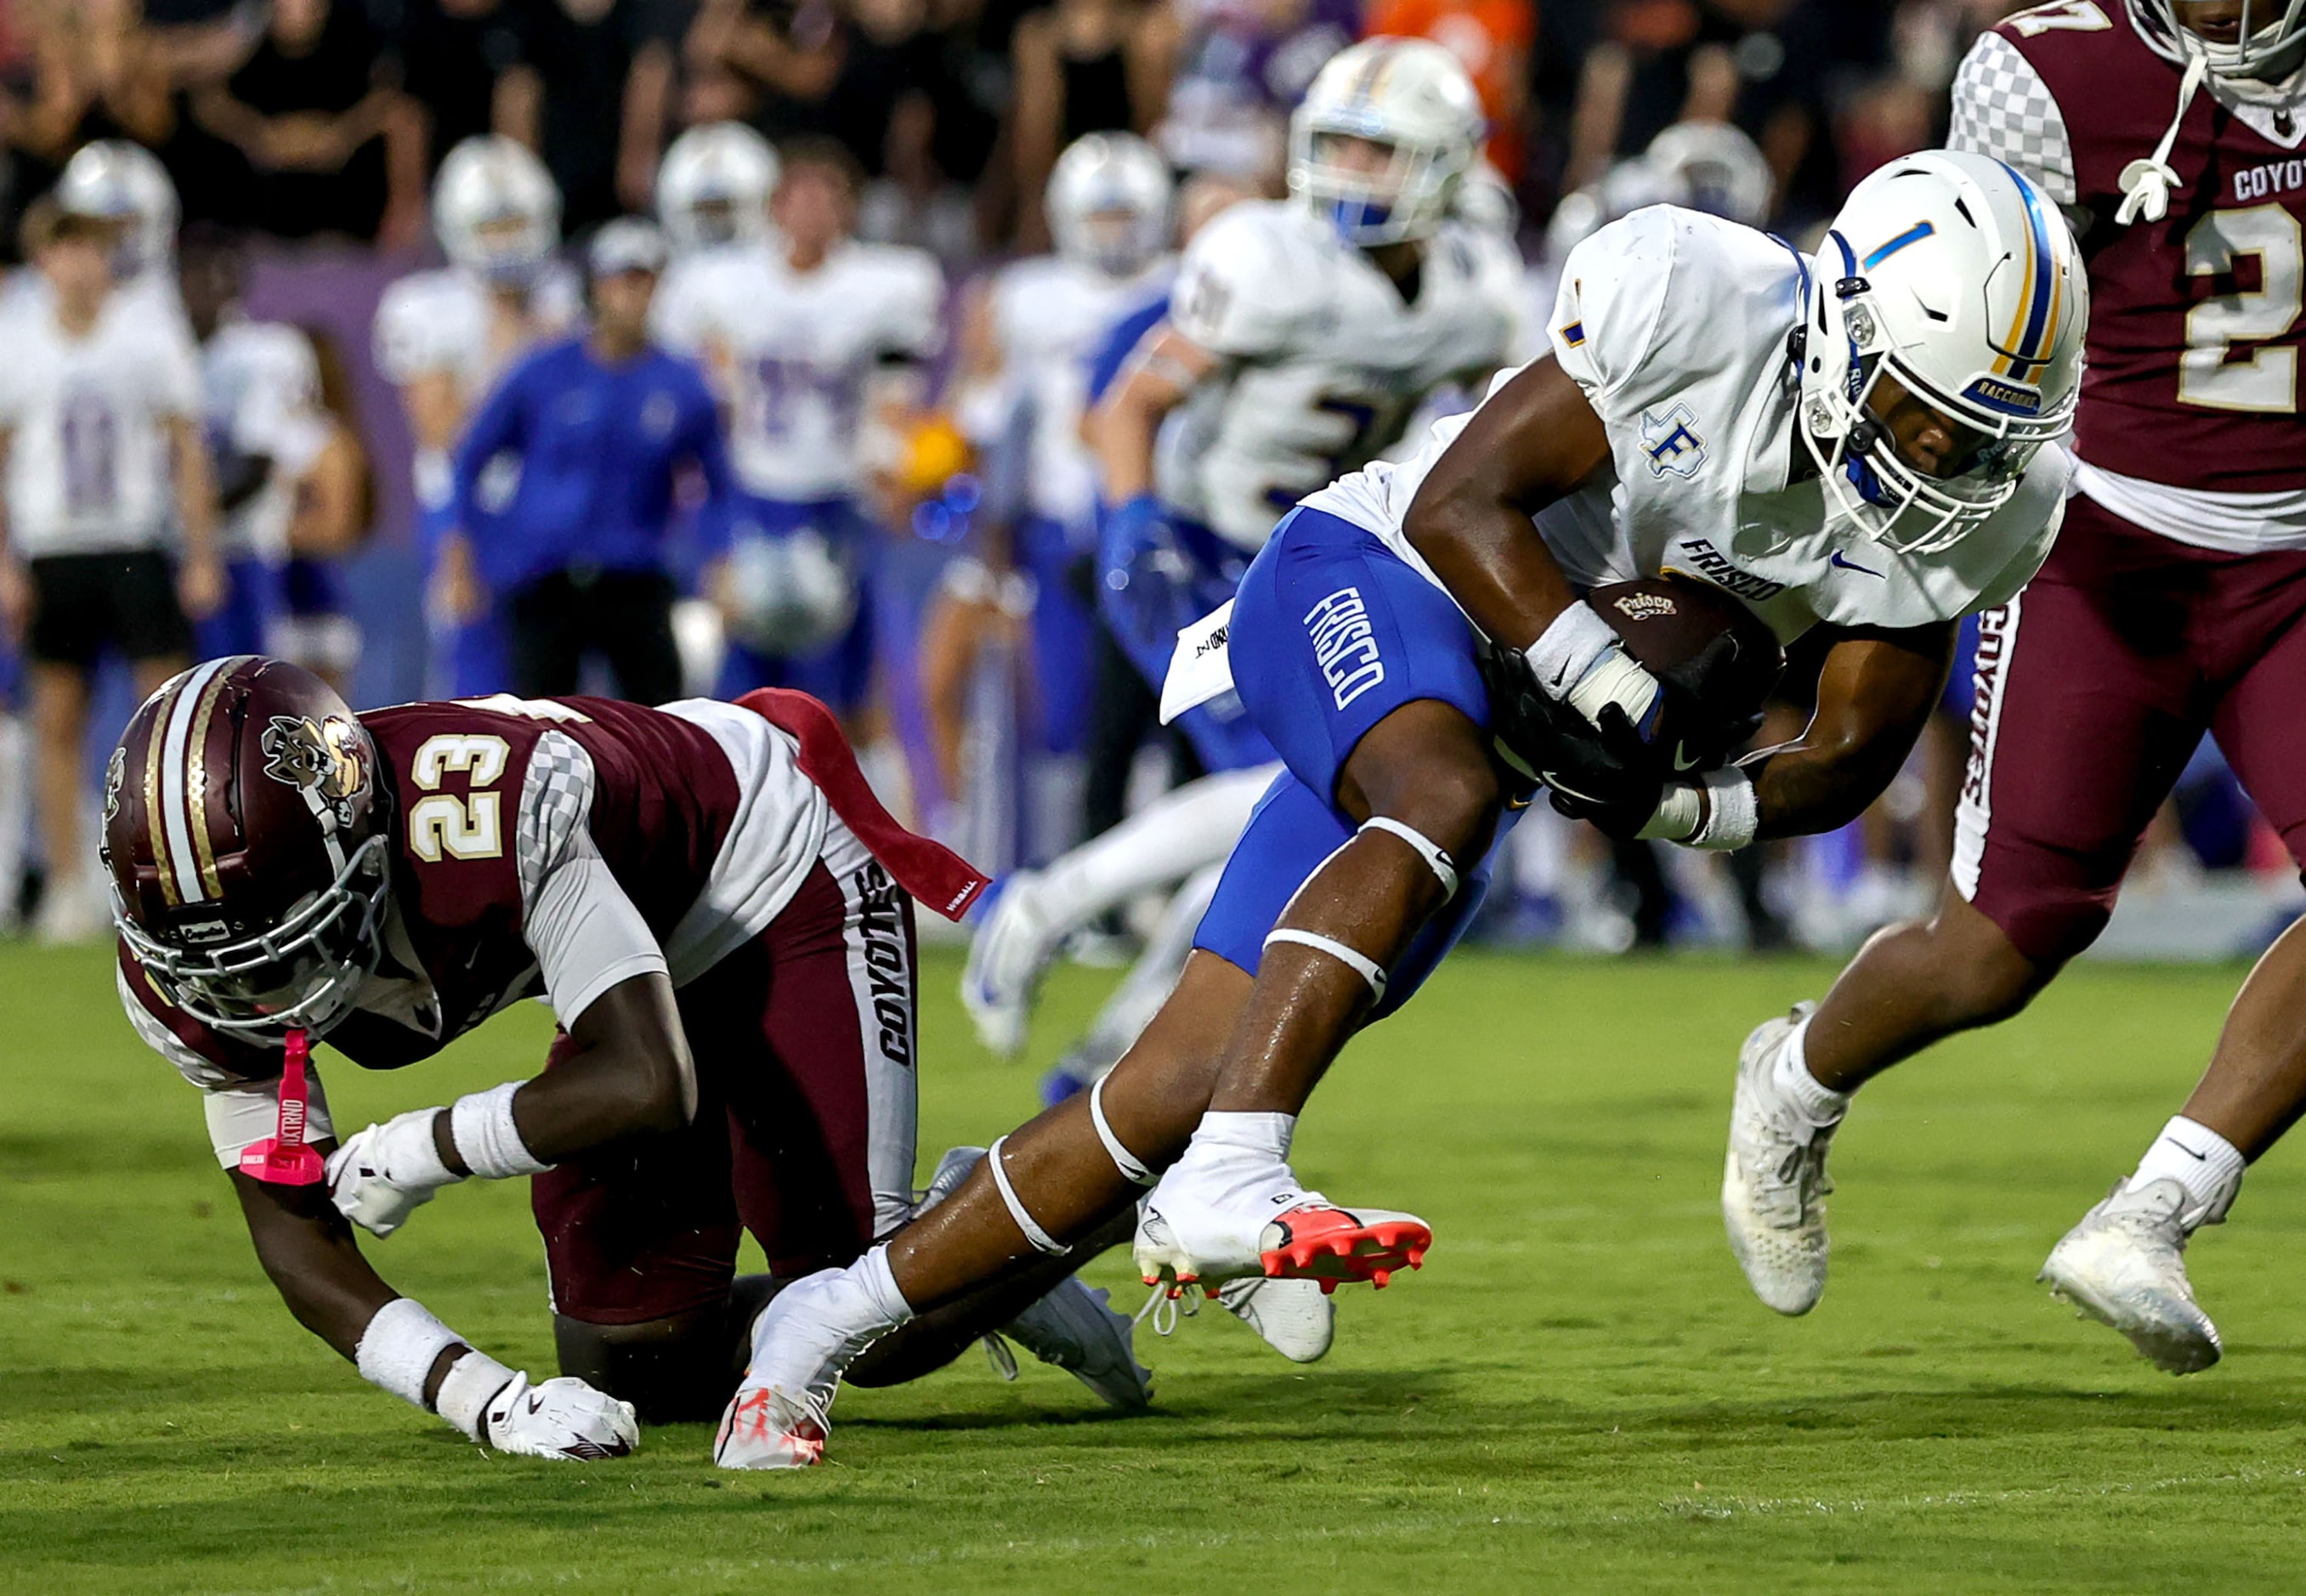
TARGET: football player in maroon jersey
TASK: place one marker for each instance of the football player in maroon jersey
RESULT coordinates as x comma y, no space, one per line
2173,604
720,916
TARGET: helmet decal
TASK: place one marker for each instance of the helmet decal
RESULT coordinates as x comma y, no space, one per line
325,755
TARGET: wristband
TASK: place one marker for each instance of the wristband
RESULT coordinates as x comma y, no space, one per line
1569,649
399,1347
472,1381
1733,811
1681,816
481,1125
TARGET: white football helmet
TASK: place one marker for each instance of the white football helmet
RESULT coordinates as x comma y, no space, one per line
1407,94
715,185
788,594
2270,41
497,209
1108,203
1953,276
1714,167
124,183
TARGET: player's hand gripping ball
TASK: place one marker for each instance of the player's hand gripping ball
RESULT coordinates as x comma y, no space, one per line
1715,663
562,1417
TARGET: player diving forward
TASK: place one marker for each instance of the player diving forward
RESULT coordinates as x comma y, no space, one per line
718,912
1855,442
2173,605
1302,337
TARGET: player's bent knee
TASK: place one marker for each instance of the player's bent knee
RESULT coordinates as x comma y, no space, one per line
673,1370
1980,976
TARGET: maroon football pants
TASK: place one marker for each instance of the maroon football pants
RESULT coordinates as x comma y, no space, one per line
2093,687
804,1045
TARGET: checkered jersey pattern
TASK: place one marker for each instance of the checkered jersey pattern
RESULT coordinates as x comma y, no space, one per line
556,803
2002,109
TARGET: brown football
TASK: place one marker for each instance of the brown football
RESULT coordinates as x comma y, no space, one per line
1668,621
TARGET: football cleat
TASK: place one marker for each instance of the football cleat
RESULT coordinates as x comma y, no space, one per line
1076,1329
1773,1184
2125,1266
803,1342
1007,956
1334,1246
1294,1317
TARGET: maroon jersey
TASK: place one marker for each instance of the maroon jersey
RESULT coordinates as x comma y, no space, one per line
2196,322
493,802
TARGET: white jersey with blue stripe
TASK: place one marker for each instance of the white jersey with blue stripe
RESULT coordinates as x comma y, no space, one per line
794,352
1674,324
1323,362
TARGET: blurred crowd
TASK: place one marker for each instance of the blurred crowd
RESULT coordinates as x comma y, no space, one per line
406,438
328,118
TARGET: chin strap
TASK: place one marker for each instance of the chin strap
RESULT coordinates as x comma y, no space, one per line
2146,184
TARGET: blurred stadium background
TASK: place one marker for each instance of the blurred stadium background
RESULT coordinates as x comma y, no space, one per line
313,129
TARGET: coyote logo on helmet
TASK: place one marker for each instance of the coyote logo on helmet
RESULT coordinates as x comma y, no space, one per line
320,755
115,777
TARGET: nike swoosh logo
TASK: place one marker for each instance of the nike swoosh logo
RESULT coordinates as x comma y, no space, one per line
1847,564
2190,1153
1681,759
535,1402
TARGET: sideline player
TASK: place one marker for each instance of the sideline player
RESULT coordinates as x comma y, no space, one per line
1028,335
720,915
1715,402
810,336
442,338
265,428
109,539
2171,607
1303,335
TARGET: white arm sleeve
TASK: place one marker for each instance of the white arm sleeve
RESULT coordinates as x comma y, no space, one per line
2002,109
583,930
245,1116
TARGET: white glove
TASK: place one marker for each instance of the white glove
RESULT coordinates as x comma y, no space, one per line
382,1174
562,1417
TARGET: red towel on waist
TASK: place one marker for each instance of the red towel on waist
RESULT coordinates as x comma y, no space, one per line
937,877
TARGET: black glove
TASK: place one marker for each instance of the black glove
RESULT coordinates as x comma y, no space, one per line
1608,767
1708,710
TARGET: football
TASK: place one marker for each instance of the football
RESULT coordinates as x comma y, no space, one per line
1670,621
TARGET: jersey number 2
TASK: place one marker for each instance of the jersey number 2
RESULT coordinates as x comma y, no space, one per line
471,827
2266,381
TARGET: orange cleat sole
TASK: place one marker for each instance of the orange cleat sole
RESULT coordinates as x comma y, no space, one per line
1338,1247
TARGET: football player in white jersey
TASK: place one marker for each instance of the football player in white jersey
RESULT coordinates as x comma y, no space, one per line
1302,337
443,337
1029,332
261,384
1857,442
711,194
812,337
113,177
109,537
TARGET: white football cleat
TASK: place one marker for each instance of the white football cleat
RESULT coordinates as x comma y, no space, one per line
1075,1329
1773,1184
1186,1237
1007,957
803,1343
1294,1317
2125,1266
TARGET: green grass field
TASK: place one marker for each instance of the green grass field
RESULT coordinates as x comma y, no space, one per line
1577,1393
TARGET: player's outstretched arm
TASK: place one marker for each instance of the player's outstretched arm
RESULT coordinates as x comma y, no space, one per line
627,1074
1873,696
1531,442
308,1251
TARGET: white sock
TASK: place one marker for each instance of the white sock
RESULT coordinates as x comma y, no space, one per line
1158,846
1238,1158
871,1273
2205,1163
1818,1104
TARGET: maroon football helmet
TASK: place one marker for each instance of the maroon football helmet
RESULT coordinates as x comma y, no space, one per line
246,831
